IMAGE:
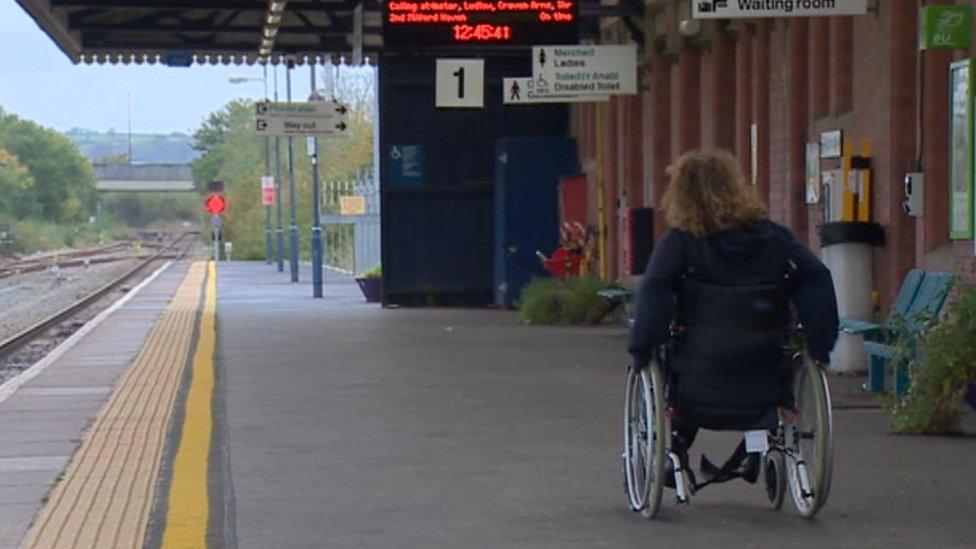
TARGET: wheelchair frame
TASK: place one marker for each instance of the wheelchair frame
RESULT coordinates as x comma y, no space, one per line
799,455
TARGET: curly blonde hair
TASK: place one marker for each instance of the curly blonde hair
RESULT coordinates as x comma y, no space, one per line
707,194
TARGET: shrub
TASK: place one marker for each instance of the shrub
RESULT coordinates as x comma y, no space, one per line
941,370
375,272
29,236
570,301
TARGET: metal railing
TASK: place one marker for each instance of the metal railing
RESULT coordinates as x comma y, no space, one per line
351,227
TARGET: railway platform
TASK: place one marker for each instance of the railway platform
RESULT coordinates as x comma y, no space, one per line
228,409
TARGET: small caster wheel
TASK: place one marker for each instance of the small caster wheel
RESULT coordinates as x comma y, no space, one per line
774,473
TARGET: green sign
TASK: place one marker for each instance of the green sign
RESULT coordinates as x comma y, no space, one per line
942,27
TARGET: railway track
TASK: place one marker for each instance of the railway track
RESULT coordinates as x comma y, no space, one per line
116,251
173,250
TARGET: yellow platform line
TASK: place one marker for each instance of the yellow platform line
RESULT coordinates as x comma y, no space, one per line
188,512
105,496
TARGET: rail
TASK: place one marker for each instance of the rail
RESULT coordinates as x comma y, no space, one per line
25,336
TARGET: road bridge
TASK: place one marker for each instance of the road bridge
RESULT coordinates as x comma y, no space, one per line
144,177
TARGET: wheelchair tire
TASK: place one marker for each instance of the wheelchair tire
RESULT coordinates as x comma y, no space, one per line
645,440
809,440
774,474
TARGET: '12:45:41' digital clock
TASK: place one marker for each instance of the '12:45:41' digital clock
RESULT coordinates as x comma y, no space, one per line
414,24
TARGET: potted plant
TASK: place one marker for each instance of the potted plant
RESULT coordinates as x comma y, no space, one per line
371,284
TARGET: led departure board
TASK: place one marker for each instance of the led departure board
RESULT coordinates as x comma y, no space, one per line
479,23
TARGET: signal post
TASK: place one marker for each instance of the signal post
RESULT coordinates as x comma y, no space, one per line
215,205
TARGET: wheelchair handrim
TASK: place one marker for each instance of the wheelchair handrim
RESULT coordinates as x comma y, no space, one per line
644,440
810,441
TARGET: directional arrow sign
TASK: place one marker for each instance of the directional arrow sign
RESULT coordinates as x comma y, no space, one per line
311,119
593,70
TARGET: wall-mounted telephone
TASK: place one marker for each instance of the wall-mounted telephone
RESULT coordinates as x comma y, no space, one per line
914,194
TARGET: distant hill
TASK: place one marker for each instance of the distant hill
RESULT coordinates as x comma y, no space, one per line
174,148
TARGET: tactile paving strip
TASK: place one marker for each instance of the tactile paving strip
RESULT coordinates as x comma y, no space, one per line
106,494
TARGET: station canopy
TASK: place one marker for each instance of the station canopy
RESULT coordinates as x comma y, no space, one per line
183,32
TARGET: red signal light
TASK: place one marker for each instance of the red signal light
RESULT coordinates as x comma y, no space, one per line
215,204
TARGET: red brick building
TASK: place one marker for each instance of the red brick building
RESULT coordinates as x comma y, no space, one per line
792,79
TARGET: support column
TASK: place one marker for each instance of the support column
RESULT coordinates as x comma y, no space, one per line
819,80
723,90
743,99
902,57
611,184
760,107
841,63
687,104
797,38
658,137
818,98
634,157
934,225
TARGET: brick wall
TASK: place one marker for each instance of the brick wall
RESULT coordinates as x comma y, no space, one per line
793,79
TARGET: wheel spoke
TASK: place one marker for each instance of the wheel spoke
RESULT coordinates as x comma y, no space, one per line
642,429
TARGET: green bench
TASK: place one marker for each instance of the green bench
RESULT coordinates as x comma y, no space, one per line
620,297
918,303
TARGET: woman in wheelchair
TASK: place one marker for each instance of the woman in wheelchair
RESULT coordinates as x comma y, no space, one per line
714,345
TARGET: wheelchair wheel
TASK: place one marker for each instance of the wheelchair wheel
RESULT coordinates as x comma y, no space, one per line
809,440
774,473
645,439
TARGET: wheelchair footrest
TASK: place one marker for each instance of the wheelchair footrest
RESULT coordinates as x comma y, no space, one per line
739,465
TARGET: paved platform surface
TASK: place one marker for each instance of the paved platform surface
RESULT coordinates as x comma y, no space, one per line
43,422
107,490
348,425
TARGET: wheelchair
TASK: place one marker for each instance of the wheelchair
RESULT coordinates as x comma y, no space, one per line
760,382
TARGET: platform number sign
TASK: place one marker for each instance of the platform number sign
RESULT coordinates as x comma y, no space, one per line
460,83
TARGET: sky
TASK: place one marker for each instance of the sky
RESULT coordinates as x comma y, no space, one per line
40,83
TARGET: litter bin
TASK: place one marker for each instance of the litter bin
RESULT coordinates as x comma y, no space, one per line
846,251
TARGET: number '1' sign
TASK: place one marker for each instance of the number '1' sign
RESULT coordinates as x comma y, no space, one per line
460,83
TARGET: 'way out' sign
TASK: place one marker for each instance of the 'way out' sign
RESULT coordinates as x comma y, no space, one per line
586,70
730,9
315,118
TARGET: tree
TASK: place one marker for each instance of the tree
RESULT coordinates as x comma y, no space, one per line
212,134
64,182
232,152
15,183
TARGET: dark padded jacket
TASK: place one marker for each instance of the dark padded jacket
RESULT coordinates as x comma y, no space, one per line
759,254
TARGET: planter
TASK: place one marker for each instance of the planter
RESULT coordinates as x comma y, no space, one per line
971,395
372,288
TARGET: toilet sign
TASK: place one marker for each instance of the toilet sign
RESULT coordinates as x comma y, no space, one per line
586,70
523,91
737,9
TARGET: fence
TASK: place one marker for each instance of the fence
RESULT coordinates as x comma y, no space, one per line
351,227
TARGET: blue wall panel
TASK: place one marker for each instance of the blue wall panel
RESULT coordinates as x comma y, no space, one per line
527,172
438,236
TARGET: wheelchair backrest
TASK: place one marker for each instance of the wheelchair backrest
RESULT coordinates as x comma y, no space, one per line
733,308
